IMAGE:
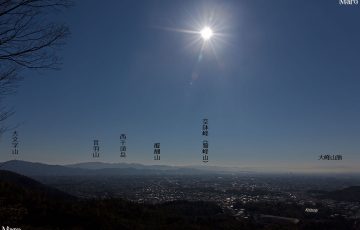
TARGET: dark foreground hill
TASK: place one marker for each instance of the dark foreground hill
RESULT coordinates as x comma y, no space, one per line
13,179
27,204
350,194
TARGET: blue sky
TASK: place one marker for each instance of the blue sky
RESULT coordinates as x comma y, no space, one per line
280,87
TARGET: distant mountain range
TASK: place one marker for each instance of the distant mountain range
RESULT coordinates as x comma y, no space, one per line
39,169
100,168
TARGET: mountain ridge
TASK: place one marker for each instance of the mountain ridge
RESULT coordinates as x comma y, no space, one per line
98,168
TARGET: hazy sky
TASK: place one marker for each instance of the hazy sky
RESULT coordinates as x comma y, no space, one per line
280,85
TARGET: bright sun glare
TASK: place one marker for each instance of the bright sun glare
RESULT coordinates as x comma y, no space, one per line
206,33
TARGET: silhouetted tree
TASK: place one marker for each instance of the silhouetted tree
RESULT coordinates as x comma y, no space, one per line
27,41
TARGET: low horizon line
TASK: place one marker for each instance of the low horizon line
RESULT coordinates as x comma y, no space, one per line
230,169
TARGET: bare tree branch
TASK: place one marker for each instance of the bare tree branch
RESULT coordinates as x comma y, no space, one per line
27,41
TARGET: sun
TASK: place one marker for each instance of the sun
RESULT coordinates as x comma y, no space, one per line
206,33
